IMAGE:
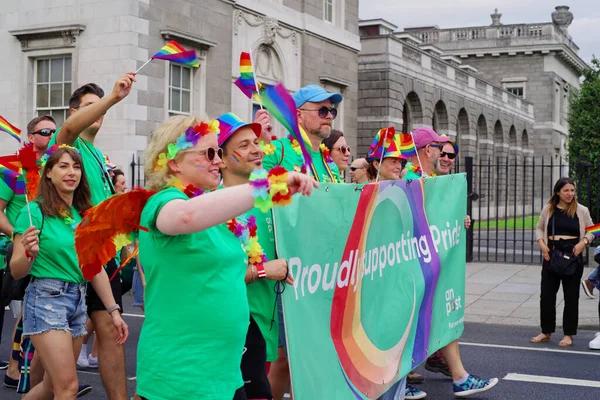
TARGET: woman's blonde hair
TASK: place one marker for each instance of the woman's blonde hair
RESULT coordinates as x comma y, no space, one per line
167,133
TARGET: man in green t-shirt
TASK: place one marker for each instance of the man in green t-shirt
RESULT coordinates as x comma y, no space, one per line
87,108
315,118
39,131
242,155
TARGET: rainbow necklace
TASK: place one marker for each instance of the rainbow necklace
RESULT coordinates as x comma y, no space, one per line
325,155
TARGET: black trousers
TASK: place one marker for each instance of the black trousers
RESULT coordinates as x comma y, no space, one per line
550,285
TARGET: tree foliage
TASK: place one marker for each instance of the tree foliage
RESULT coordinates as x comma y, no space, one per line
584,139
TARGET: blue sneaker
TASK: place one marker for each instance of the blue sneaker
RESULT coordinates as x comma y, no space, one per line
473,385
414,393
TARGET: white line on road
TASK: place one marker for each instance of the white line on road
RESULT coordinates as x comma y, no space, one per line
502,346
133,315
551,379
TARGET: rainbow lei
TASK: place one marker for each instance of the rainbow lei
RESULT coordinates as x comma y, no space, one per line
189,190
329,164
246,233
51,150
417,170
67,218
188,139
270,188
267,149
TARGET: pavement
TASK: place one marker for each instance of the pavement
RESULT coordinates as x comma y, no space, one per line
509,294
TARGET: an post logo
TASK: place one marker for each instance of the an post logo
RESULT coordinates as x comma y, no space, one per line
452,303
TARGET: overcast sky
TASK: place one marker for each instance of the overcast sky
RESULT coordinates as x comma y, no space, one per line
585,28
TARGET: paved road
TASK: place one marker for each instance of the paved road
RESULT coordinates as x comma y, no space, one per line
487,350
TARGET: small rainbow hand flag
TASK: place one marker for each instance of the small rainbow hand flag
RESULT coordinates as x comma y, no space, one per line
173,52
277,100
13,180
594,229
407,146
383,139
247,81
11,130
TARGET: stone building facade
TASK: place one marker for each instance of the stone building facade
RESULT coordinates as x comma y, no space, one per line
55,46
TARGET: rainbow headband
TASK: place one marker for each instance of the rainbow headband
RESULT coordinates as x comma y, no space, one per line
188,139
51,151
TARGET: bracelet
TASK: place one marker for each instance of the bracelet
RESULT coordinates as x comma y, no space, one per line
252,274
270,188
113,308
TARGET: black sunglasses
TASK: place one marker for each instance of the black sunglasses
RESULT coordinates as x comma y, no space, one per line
343,149
45,132
210,152
324,111
355,168
451,156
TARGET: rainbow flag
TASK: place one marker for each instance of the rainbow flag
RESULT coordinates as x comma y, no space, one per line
277,100
383,139
247,82
594,229
11,130
173,52
11,162
13,180
407,146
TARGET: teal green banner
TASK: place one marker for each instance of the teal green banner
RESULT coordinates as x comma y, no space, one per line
379,282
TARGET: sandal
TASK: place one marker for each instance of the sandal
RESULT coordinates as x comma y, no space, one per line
567,341
541,338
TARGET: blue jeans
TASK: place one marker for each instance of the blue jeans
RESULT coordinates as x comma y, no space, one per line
51,304
594,277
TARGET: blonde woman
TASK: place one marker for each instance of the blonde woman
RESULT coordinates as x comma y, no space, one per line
195,301
561,227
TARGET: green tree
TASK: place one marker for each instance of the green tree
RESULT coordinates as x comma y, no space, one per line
584,139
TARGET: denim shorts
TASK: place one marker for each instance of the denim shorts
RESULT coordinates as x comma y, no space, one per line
137,289
52,304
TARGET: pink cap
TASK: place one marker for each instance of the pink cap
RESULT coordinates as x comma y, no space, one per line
424,136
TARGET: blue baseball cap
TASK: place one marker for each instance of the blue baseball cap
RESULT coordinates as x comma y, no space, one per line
315,94
229,123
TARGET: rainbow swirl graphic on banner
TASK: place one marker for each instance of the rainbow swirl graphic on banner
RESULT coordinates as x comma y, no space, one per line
368,370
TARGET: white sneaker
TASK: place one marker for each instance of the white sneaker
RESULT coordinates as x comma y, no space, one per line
92,361
595,343
82,360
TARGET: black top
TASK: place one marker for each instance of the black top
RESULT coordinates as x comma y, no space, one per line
563,224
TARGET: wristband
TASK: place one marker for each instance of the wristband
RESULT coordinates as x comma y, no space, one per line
113,308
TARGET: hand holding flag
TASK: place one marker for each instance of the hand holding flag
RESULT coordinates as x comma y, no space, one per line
174,52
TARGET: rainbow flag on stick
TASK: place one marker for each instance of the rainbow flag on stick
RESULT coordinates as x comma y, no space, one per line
13,180
247,81
594,229
10,129
173,52
383,139
407,146
277,100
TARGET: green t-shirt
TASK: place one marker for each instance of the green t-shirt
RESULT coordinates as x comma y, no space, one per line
94,165
14,202
410,174
57,258
286,156
196,310
261,294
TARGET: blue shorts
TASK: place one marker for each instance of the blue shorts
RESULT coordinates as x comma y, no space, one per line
137,289
51,304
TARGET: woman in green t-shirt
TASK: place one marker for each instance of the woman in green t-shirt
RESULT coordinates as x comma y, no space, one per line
196,309
55,311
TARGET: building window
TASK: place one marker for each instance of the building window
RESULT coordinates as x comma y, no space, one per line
517,91
52,87
180,89
328,10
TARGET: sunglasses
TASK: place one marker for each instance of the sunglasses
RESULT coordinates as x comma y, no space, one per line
45,132
343,149
451,156
355,168
324,111
210,152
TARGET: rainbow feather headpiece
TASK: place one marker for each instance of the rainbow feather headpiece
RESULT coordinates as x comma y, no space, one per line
188,139
51,151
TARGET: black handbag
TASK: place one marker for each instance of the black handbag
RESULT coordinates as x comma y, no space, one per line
561,263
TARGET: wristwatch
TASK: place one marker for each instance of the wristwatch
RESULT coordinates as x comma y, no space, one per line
113,308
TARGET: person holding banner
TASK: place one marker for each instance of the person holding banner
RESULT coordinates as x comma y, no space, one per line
54,309
196,307
339,150
241,155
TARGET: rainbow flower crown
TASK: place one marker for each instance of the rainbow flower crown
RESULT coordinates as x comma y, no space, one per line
188,139
52,149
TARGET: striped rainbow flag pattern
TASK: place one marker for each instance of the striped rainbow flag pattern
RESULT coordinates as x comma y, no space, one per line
173,52
247,82
594,229
407,146
10,129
